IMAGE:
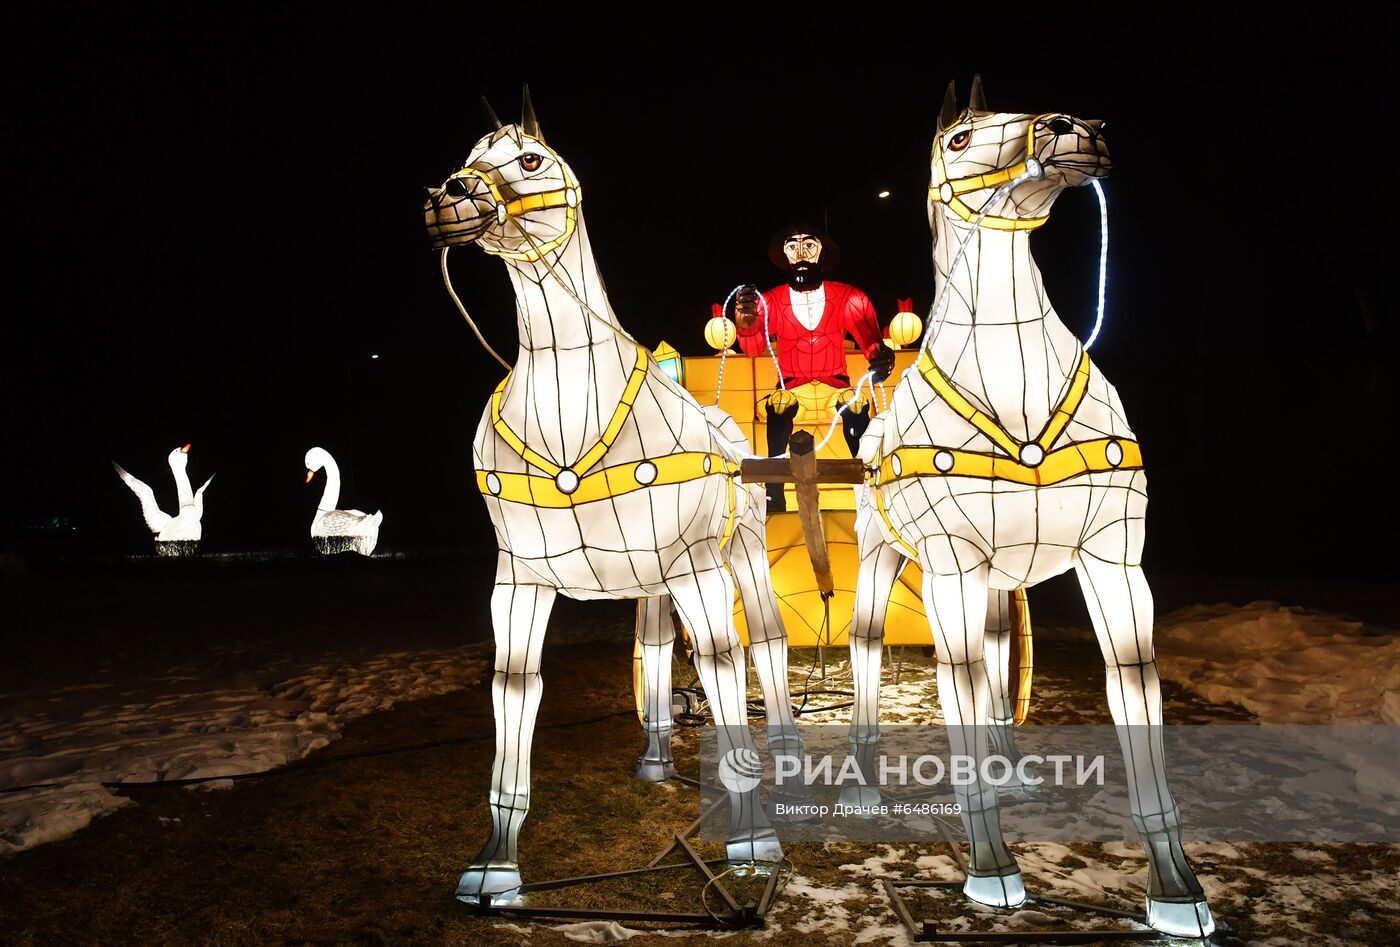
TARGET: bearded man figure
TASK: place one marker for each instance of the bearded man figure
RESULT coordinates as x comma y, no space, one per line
807,320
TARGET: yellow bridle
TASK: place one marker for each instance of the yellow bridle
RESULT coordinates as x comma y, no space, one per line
569,196
949,191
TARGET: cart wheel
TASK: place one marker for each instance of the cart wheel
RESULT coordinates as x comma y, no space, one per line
1022,653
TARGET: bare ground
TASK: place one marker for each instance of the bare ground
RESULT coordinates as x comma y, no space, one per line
364,841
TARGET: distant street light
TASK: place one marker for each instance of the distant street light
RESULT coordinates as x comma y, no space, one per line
376,355
884,194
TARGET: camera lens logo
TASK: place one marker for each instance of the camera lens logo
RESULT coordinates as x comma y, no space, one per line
740,770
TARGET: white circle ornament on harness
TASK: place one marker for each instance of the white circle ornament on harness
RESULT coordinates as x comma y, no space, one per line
896,465
1032,455
493,483
706,463
646,472
566,480
1113,453
943,461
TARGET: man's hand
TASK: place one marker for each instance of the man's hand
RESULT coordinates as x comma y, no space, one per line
881,363
746,306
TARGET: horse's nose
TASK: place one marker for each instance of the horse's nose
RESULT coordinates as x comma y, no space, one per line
432,195
1096,125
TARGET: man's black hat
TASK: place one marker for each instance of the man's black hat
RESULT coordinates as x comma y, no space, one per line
831,251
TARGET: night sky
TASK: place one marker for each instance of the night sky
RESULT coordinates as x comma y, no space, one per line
216,220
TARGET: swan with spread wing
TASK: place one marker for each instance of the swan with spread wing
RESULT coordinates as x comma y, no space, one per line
175,535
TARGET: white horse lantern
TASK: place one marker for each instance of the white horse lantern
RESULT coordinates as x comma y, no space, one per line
1005,458
603,478
177,535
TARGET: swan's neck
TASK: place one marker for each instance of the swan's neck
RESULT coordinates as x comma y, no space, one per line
182,485
331,496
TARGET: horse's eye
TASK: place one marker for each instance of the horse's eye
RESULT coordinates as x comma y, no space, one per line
530,162
960,140
456,187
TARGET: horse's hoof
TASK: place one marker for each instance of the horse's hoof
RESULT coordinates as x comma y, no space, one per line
758,848
1180,918
859,798
655,771
502,884
998,891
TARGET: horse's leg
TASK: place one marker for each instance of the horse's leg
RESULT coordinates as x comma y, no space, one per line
519,614
957,609
880,564
1120,605
657,636
705,599
768,647
997,655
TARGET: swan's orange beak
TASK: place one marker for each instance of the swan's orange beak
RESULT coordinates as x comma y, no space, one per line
185,449
309,475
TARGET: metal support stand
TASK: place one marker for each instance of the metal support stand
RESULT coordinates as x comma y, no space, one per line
734,916
927,931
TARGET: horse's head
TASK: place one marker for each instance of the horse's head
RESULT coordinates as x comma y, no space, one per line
978,150
513,195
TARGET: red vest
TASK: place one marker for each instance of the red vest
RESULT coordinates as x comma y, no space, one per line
814,354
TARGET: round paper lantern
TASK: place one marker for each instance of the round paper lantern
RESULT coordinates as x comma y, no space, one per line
906,327
720,333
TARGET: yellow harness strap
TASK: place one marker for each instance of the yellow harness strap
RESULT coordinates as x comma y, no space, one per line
994,431
564,487
594,453
1032,463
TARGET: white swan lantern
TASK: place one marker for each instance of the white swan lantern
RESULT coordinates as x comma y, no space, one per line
177,535
1006,458
335,531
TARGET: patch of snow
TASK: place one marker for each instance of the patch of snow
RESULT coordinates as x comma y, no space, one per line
597,932
1286,665
191,726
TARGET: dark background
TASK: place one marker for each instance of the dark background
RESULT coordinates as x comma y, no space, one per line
217,220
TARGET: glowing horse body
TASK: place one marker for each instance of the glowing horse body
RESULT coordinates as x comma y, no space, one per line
603,479
1005,459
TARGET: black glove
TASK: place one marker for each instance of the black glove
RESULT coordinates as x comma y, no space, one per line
745,306
881,363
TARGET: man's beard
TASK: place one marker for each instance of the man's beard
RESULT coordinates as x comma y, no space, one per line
805,276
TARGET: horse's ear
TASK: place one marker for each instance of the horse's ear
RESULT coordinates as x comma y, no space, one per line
527,116
490,114
977,101
948,114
